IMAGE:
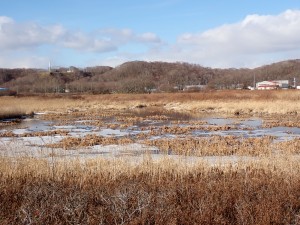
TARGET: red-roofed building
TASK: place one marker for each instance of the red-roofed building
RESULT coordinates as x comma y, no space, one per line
271,85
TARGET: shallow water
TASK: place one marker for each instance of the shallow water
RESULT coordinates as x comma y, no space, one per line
245,128
28,125
219,121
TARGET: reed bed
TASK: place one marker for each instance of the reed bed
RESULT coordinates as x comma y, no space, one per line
35,134
282,122
228,102
217,146
12,112
263,189
89,140
103,191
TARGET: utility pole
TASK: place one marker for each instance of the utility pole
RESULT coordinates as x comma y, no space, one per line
254,84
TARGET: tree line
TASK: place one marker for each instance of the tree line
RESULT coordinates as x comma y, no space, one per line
142,77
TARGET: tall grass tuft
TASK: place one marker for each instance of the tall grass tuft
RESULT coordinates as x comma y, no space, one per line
12,112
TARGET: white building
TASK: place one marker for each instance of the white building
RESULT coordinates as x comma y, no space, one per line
194,87
271,85
282,83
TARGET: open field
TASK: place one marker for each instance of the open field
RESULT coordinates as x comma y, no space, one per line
230,102
221,157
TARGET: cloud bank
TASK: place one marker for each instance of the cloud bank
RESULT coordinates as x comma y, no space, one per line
14,36
253,41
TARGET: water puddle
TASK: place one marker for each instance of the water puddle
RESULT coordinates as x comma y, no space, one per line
252,122
219,121
28,125
240,127
112,132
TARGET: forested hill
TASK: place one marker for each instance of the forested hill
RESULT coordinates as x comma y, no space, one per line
140,76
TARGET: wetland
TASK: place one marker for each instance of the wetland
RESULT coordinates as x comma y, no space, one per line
223,157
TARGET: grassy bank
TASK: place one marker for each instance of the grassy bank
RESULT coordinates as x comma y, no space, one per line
167,192
227,101
12,112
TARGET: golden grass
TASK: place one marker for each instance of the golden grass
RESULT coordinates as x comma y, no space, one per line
89,140
286,122
216,146
102,191
235,107
9,112
232,102
35,134
264,189
37,104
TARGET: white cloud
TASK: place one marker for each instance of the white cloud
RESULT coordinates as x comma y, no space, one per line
27,39
23,62
149,38
27,35
255,34
5,20
254,41
88,43
245,42
15,36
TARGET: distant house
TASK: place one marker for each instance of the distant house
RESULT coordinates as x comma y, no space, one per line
271,85
266,85
194,87
282,83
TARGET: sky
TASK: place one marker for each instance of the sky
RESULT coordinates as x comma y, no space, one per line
210,33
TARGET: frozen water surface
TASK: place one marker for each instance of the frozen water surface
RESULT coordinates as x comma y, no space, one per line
246,128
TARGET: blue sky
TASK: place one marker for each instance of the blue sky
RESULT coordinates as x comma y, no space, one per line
218,34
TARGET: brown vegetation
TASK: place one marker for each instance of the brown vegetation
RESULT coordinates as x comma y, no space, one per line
11,112
89,140
215,146
263,189
141,77
35,134
292,121
114,192
233,102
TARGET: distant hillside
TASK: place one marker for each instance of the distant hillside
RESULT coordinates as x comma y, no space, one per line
140,76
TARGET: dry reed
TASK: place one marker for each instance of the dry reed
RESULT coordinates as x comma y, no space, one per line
232,102
216,146
88,140
12,112
100,191
165,192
